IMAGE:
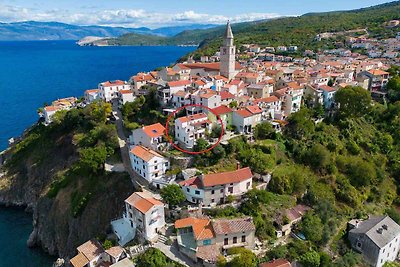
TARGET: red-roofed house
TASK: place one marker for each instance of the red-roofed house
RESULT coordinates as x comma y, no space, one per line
212,189
290,217
224,112
271,107
144,215
203,240
246,119
377,79
226,98
148,163
125,96
328,93
92,95
150,136
190,128
276,263
109,90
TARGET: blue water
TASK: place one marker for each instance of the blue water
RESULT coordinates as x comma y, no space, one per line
32,73
15,227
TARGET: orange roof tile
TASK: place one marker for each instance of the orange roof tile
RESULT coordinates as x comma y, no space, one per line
154,130
142,201
254,109
377,72
91,91
125,92
222,110
266,100
198,116
113,83
202,228
276,263
144,153
226,95
179,83
327,88
244,113
227,177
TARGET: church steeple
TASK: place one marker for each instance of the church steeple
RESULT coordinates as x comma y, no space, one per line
228,51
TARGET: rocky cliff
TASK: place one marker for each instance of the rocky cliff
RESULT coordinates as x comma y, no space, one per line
26,180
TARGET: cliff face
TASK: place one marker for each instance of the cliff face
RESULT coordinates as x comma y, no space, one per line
56,230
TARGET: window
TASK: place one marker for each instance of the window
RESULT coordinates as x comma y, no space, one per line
155,167
207,242
197,192
243,238
230,189
248,185
212,200
212,192
234,240
222,190
187,190
226,241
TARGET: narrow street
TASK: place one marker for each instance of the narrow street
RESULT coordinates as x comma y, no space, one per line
137,181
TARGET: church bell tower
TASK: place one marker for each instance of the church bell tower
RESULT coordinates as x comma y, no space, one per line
227,55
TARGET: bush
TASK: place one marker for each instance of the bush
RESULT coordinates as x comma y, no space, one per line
173,195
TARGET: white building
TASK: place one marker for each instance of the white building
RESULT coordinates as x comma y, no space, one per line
150,136
377,239
144,215
329,95
92,95
246,119
190,128
109,90
212,189
125,96
148,163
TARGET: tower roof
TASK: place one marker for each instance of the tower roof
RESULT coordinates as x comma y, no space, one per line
228,31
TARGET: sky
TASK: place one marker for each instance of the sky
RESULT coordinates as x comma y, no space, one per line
159,13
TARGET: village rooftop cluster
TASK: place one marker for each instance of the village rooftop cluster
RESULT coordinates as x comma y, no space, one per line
266,86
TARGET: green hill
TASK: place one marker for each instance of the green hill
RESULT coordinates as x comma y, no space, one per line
299,31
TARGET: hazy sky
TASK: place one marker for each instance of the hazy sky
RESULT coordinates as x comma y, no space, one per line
156,13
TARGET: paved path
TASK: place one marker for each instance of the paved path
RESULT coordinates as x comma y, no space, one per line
135,178
173,253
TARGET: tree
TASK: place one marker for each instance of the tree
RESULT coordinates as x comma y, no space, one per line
221,261
107,244
264,130
300,124
93,158
233,104
201,145
318,157
393,87
151,258
246,258
172,194
310,259
312,227
353,101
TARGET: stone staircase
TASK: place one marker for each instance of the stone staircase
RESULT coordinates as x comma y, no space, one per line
162,239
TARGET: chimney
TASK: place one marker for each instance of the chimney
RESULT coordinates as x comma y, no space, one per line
237,165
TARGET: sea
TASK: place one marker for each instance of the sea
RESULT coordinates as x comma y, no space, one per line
36,72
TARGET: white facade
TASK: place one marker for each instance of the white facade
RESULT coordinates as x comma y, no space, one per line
92,95
148,163
150,136
189,129
126,96
109,90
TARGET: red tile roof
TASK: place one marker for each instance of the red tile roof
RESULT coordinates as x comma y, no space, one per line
144,153
91,91
154,130
194,182
227,177
202,228
377,72
198,116
222,110
142,201
254,109
123,92
226,95
208,66
266,100
244,113
276,263
113,83
327,88
208,253
179,83
232,226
